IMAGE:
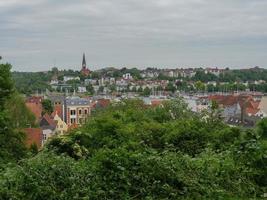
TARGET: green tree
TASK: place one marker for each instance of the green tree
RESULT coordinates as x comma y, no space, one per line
17,111
200,86
90,89
147,91
262,128
47,106
11,141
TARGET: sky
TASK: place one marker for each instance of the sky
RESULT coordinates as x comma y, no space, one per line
36,35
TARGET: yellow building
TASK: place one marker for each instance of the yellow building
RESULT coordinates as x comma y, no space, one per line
61,127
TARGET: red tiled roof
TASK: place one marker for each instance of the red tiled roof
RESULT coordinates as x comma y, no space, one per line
58,111
33,136
34,99
156,102
73,126
103,102
252,111
85,72
35,108
49,120
246,101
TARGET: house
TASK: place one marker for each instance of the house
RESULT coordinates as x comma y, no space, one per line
48,126
70,78
237,105
33,137
214,71
76,110
127,76
58,110
102,103
61,126
263,107
54,82
90,81
81,89
34,104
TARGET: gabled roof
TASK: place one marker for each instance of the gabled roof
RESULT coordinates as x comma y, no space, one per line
58,111
47,122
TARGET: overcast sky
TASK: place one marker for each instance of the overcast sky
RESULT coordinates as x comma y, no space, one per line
38,34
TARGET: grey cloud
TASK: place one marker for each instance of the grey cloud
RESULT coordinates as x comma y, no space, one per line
35,34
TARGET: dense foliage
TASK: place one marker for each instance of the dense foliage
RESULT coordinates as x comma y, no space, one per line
32,82
131,151
11,138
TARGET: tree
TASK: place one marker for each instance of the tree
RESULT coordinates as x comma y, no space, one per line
262,128
21,116
90,89
55,71
47,106
133,151
147,92
200,86
6,84
11,140
101,89
171,87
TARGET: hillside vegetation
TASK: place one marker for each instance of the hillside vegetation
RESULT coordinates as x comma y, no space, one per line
131,151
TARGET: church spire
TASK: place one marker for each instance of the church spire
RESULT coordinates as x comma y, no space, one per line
84,61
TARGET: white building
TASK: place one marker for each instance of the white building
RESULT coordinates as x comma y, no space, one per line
127,76
70,78
81,89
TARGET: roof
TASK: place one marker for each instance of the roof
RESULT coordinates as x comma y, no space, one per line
34,99
245,101
76,101
36,108
103,103
47,122
33,136
156,102
73,126
58,111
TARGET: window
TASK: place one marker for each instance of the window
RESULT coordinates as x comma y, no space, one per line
80,121
72,121
44,137
85,111
80,112
73,112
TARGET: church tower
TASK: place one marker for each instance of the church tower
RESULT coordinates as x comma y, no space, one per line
84,70
84,62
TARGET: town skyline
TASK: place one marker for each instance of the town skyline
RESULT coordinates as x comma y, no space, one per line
78,68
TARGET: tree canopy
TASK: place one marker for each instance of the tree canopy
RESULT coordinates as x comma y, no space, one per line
131,151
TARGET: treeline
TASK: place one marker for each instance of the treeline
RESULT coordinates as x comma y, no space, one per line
131,151
33,82
14,116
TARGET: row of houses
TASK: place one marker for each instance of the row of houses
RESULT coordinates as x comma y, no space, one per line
237,109
69,113
179,72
